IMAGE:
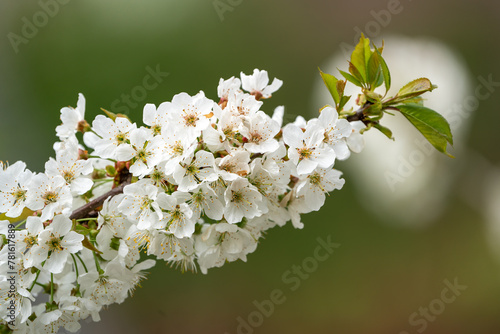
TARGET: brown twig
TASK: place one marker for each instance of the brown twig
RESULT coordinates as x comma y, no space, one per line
85,210
359,115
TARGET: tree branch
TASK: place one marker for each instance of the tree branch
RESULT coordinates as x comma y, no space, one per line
85,210
359,115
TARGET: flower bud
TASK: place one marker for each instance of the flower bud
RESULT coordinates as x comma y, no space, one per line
83,154
93,234
115,243
98,174
110,170
83,126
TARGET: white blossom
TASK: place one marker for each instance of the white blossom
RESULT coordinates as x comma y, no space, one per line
176,147
71,118
228,87
260,134
355,141
223,242
306,150
112,286
234,165
335,131
190,114
315,185
15,183
27,239
55,243
50,194
257,83
112,218
225,135
144,150
205,201
156,119
72,169
243,105
242,200
189,173
140,203
178,218
111,135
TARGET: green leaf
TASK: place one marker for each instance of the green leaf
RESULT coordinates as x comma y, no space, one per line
81,229
351,79
360,56
341,87
415,100
113,116
373,70
331,83
87,244
355,73
432,125
385,70
375,109
380,79
415,88
343,101
109,114
372,96
387,132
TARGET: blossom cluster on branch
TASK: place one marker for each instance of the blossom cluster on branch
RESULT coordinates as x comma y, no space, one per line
196,186
203,182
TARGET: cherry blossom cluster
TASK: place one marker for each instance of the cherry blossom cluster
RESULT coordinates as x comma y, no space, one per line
196,186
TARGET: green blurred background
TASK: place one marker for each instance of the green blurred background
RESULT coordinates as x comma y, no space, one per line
382,273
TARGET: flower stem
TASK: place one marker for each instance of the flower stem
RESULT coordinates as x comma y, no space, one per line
97,265
83,263
51,288
76,270
17,226
34,282
86,219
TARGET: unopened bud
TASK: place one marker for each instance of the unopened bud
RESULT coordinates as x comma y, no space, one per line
83,154
98,174
120,165
76,292
110,170
47,223
83,126
93,234
257,95
223,103
92,224
50,306
115,243
361,100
